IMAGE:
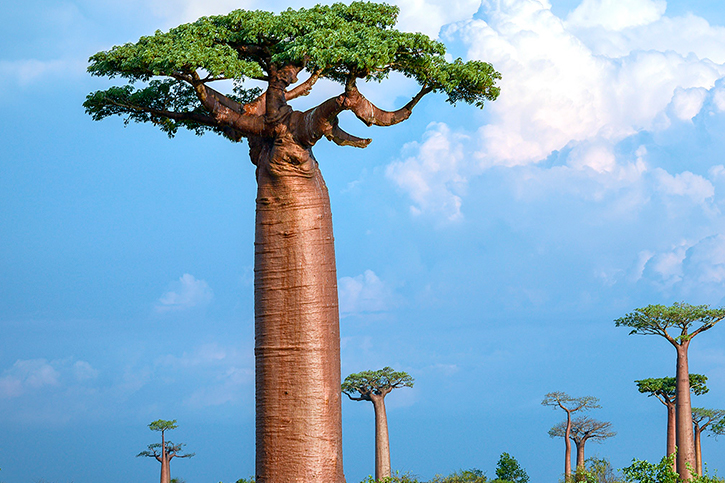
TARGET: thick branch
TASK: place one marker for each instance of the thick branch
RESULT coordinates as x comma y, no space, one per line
371,115
304,88
341,138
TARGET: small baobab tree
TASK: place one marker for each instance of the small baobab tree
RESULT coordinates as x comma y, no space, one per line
569,405
165,451
663,388
373,386
685,321
702,421
583,429
239,75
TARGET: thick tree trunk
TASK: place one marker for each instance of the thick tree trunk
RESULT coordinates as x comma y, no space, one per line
297,340
671,430
683,415
165,471
382,440
580,456
698,451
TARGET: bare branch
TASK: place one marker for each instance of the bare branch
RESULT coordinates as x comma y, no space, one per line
371,115
304,88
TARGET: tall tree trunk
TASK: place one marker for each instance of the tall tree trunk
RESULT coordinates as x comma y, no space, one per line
297,339
698,451
580,459
165,470
382,440
683,415
567,448
671,430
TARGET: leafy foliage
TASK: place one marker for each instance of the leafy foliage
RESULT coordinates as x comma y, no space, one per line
338,42
564,401
464,476
163,425
379,383
664,387
642,471
708,419
658,319
509,470
599,470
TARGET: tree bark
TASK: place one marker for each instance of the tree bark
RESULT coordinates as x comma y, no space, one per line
567,447
165,470
698,451
382,439
671,430
683,415
297,340
580,459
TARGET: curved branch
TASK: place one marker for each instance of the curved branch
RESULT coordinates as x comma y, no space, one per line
304,88
371,115
341,138
224,110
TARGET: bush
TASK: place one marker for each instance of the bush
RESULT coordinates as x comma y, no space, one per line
464,476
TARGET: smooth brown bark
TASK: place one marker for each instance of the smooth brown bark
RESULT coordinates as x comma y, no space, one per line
683,415
297,341
580,456
382,440
671,430
698,450
567,447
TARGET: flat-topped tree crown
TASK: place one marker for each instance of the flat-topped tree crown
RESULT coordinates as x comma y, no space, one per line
362,386
343,43
663,388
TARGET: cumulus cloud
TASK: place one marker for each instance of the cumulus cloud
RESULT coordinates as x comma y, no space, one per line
686,184
616,14
184,294
432,173
364,293
559,90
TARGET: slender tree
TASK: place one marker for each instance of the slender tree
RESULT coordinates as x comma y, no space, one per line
583,429
663,388
373,386
297,349
686,321
165,451
703,420
569,405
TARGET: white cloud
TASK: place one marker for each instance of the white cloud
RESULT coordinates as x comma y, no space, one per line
557,90
616,14
186,293
687,184
433,173
30,375
364,293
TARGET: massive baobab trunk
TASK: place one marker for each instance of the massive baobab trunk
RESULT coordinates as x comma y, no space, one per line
382,440
683,415
297,340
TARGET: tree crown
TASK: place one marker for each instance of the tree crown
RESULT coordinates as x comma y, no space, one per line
172,451
509,470
374,383
583,428
570,404
708,419
339,42
680,316
663,388
163,425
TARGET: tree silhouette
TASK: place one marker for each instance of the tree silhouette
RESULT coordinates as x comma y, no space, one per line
681,318
373,386
569,405
702,420
165,451
663,388
297,339
583,429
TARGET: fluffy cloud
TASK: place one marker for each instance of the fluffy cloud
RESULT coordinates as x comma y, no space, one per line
364,293
559,90
432,172
616,14
186,293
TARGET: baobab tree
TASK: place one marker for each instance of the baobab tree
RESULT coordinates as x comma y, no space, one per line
686,321
569,405
583,429
165,451
297,347
663,388
704,420
373,386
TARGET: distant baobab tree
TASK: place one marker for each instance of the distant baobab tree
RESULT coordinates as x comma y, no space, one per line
704,420
663,388
165,451
167,81
373,386
686,321
569,405
583,429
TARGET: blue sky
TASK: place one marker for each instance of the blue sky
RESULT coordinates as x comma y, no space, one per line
486,253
